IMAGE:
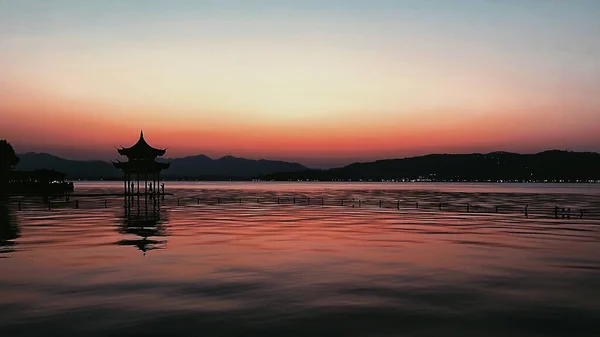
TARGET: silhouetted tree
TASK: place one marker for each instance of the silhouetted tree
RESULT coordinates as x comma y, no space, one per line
8,160
8,157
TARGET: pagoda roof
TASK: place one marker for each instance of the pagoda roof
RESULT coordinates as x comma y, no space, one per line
141,149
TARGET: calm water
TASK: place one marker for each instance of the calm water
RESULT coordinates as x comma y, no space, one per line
262,269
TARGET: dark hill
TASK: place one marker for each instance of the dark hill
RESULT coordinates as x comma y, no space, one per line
74,169
192,167
495,166
228,166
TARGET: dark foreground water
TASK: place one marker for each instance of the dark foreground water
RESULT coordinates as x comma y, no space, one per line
295,270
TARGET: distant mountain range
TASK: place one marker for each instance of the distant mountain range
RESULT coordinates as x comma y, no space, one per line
193,167
496,166
551,165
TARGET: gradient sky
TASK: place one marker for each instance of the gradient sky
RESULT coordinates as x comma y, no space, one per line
320,82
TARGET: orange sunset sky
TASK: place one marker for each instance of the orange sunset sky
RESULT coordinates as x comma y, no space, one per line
323,83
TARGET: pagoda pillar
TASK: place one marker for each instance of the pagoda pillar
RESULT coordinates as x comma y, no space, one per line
146,192
155,179
137,175
159,186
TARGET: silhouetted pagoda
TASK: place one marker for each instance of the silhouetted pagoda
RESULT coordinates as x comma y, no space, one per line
141,167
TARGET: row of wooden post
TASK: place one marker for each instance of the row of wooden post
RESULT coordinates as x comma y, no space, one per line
468,206
561,211
50,204
557,210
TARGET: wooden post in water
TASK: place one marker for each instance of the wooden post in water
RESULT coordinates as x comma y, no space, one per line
555,212
178,202
198,200
526,212
496,209
294,200
105,204
398,204
257,200
240,201
218,200
417,205
440,207
308,200
19,203
342,202
468,206
581,214
359,202
322,201
380,203
278,200
77,204
49,205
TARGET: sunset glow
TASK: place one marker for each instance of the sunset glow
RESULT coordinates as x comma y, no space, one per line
321,83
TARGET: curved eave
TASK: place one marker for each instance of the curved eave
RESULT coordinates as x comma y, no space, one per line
146,152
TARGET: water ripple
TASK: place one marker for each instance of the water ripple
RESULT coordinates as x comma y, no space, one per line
298,270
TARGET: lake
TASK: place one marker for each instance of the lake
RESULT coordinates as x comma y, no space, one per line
248,266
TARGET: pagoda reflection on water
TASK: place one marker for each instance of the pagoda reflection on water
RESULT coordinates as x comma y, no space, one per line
142,169
147,227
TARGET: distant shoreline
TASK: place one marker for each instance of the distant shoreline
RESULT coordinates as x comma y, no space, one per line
552,166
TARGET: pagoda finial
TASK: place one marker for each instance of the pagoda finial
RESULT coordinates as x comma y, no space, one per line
141,134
